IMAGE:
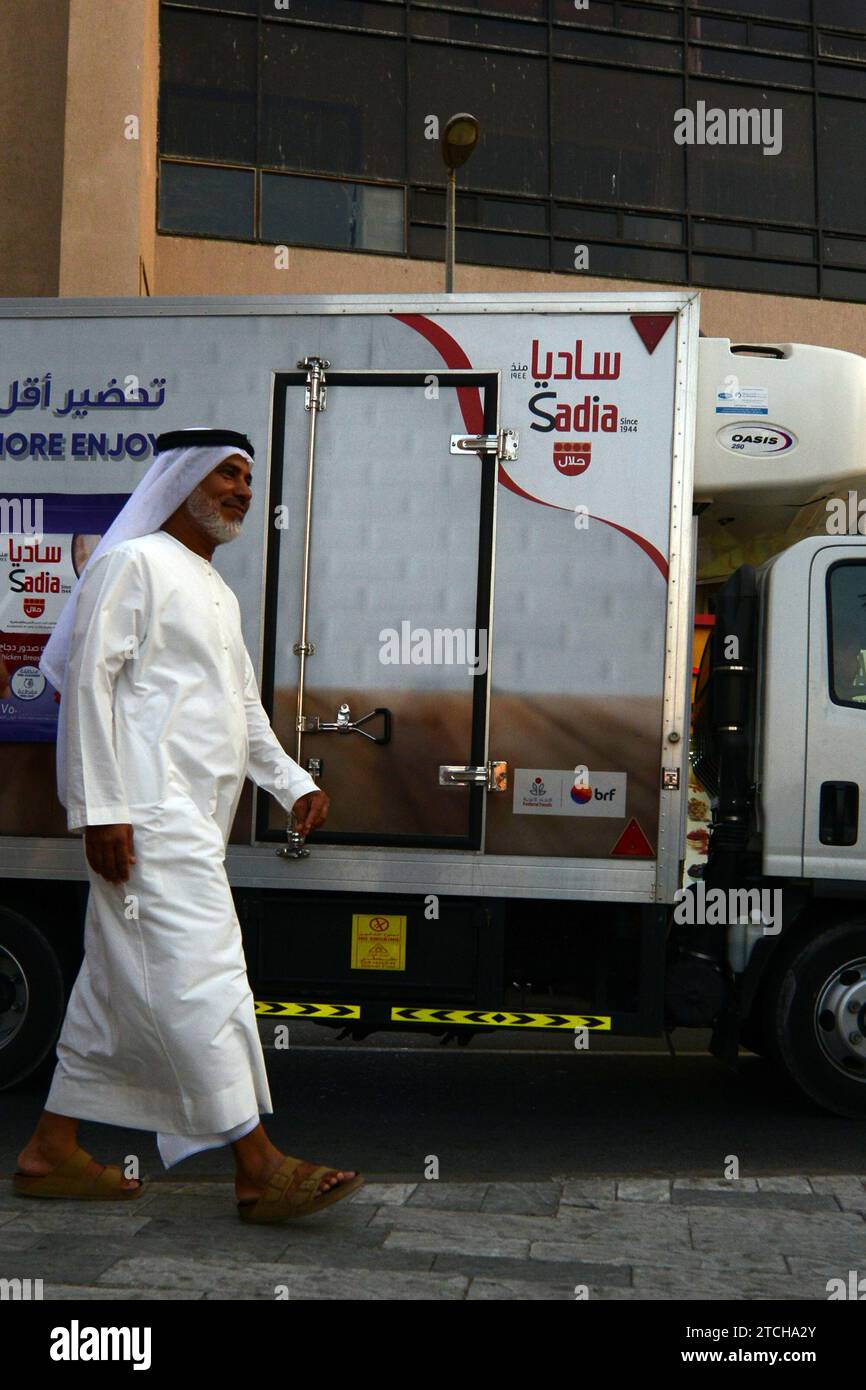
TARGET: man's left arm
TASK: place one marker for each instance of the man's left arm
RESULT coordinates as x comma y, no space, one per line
270,766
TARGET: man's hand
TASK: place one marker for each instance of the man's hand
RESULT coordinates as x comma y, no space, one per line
109,850
310,811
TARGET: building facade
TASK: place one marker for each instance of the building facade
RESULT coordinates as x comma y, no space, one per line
291,146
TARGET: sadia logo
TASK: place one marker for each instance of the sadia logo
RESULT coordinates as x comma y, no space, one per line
756,442
589,415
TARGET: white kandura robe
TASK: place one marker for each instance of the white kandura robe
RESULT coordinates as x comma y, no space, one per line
162,722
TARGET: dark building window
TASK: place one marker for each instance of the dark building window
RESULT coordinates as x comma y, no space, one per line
207,200
841,146
332,107
507,93
740,180
840,13
613,140
769,9
332,213
381,15
313,122
208,86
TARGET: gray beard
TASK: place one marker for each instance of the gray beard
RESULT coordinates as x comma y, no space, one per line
206,511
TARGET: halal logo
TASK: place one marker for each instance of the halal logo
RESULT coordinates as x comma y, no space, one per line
572,457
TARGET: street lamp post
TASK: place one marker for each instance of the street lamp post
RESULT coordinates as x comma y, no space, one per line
457,142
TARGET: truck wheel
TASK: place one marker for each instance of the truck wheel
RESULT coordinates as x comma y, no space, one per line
752,1035
32,998
816,1018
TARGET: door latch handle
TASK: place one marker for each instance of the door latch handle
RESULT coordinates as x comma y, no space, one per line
504,445
839,813
344,724
294,847
493,776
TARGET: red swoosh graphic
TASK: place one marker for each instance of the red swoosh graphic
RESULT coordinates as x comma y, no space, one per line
469,399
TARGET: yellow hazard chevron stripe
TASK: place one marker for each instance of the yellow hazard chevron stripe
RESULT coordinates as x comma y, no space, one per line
273,1009
490,1018
498,1018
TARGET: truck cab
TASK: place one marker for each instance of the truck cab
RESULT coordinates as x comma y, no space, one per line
780,717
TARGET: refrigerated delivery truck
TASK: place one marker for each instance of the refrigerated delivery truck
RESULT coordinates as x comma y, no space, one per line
467,581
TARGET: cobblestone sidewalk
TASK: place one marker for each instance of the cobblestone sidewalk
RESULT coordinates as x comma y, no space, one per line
647,1238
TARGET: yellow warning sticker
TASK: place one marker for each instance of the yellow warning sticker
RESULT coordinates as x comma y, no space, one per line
496,1018
278,1008
378,941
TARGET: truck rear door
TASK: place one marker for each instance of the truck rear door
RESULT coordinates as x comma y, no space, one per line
398,563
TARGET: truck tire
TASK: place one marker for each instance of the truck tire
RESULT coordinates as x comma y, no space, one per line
816,1018
753,1035
32,998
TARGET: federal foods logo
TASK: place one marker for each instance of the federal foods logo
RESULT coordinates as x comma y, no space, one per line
571,458
537,793
756,442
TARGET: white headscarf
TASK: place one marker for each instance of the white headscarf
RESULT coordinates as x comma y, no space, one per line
168,482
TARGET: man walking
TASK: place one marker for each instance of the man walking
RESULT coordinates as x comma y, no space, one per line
160,721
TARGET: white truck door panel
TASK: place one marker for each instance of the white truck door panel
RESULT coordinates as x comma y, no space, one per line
834,833
401,547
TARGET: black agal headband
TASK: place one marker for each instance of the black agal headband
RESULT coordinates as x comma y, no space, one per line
203,439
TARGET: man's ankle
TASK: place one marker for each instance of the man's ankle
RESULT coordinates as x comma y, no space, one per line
49,1144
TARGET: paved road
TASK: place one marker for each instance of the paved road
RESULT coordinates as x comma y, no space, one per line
560,1174
493,1114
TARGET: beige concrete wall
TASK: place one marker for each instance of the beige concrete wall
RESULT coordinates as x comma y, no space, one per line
108,184
78,214
188,265
147,188
33,44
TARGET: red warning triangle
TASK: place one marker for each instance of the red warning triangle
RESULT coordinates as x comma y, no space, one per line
632,843
652,328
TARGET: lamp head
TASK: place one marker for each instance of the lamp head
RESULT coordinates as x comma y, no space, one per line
459,139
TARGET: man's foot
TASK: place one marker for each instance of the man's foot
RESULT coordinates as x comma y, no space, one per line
251,1184
36,1161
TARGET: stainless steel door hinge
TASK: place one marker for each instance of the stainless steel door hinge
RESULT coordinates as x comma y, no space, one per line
316,394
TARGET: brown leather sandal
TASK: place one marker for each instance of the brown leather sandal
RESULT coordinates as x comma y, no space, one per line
288,1195
70,1179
